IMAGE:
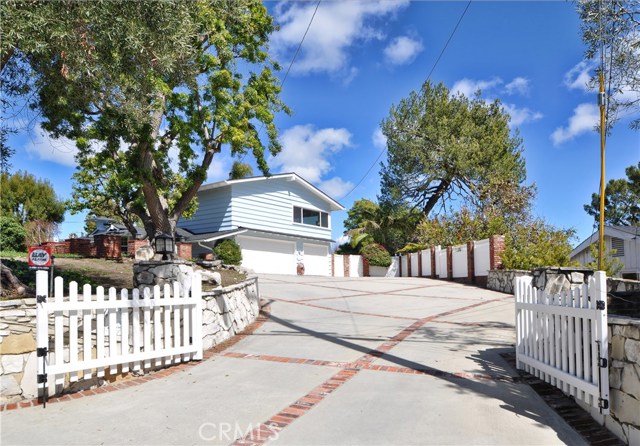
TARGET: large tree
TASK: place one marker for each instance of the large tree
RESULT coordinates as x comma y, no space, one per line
621,200
445,148
610,31
157,87
26,198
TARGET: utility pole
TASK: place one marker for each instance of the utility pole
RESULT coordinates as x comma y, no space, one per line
601,103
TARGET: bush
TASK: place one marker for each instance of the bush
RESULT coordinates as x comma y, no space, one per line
229,252
12,234
376,255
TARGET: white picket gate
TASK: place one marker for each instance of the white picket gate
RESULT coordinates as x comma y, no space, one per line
563,339
84,337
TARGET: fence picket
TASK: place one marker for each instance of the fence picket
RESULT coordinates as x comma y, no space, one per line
168,335
176,320
124,330
58,330
136,328
73,329
86,330
146,337
113,332
100,315
157,325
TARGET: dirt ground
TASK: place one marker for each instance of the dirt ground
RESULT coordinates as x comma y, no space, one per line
114,273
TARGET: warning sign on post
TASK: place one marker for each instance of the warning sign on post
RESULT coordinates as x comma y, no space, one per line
39,257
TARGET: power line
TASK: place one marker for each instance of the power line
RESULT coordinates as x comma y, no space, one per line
428,77
295,55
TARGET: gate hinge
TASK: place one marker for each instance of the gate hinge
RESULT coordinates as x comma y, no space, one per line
602,362
41,351
600,305
41,298
603,403
42,378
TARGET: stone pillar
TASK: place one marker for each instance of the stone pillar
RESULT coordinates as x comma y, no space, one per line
409,264
433,262
346,265
419,263
471,273
496,248
449,263
158,272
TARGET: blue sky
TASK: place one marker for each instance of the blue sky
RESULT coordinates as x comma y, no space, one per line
361,57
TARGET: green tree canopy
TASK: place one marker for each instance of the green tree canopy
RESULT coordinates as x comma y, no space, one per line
158,88
621,200
444,147
610,31
27,199
240,170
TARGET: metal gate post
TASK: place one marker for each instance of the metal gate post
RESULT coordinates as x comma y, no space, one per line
42,329
602,333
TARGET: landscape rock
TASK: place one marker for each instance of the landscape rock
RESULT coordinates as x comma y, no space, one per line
145,253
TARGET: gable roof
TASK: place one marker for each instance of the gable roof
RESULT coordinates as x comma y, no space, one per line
623,232
333,204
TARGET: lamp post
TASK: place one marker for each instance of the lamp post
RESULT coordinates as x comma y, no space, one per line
164,244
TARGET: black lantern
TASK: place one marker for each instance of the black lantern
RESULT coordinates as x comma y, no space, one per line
164,244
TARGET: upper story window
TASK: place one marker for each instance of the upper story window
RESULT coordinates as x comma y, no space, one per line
310,217
618,245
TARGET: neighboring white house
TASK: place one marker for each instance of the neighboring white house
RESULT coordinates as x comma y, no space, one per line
624,239
280,222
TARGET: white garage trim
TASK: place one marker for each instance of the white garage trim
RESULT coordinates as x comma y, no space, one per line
268,256
316,260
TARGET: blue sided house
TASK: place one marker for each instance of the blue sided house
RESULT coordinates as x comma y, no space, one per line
281,222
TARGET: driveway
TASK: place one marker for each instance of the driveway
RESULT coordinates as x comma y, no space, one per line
341,361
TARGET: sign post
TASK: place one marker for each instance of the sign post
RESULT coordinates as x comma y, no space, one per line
40,259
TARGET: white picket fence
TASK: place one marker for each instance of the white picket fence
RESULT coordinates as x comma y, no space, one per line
563,339
85,335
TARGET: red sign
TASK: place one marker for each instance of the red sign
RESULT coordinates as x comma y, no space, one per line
39,257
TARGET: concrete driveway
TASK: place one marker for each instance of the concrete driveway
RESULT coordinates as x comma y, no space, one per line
341,361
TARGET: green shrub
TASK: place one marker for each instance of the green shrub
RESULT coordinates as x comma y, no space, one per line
229,252
376,255
12,234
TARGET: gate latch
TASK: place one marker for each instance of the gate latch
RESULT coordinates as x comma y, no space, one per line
602,362
603,403
600,305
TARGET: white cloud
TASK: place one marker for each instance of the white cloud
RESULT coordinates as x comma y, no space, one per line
519,85
578,77
306,150
335,187
402,50
521,115
585,118
335,28
219,168
468,87
60,151
378,138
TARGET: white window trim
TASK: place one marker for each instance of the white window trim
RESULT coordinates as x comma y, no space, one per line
293,206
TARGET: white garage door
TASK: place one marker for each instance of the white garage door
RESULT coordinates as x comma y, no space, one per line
316,260
267,256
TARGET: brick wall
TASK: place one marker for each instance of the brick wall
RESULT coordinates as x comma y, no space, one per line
471,273
58,247
184,250
133,245
449,263
108,246
433,262
82,247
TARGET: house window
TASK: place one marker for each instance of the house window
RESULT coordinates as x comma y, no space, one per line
310,217
618,245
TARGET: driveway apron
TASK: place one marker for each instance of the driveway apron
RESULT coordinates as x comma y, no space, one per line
340,361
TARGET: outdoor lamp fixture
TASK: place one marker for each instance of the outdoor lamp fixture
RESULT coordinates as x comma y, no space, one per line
164,244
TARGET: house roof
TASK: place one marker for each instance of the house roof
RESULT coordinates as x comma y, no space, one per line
622,232
335,206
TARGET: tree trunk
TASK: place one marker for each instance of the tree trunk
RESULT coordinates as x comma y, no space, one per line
11,285
435,197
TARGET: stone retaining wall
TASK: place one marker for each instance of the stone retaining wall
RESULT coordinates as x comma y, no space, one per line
502,279
226,312
18,362
624,380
